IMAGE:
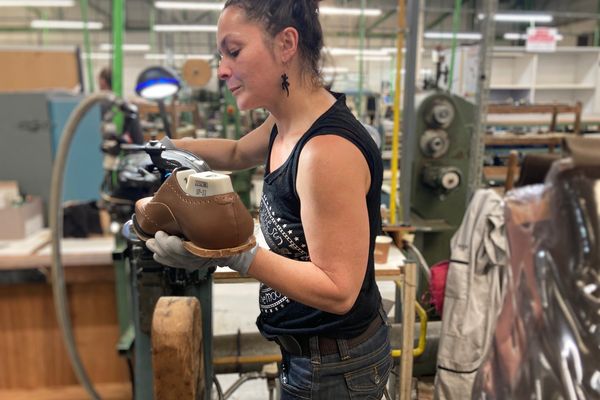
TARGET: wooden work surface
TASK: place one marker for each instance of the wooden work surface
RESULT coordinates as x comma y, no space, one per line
32,348
509,139
87,254
34,361
390,271
107,391
36,252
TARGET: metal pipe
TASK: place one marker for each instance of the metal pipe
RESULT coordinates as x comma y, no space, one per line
455,27
420,349
361,61
118,18
408,111
265,351
396,129
240,382
83,4
379,20
476,150
55,216
597,30
262,359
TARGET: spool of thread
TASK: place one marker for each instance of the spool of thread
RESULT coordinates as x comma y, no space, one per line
208,183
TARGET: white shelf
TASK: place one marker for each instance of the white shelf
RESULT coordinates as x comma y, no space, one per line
565,86
518,51
568,75
509,87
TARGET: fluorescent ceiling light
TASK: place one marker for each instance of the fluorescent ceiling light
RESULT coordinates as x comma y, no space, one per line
369,12
331,70
523,36
522,17
126,47
338,51
393,50
374,58
37,3
183,5
204,6
50,24
515,36
207,57
185,28
448,35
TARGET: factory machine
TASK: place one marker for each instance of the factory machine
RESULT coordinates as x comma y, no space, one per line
440,171
131,173
149,280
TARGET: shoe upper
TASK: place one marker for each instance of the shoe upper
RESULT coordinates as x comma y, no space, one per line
212,222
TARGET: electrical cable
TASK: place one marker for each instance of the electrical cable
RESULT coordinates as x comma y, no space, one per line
219,388
56,227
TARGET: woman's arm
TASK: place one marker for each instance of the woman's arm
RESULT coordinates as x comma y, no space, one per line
227,154
332,183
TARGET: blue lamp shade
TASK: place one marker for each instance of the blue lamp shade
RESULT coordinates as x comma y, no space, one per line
157,83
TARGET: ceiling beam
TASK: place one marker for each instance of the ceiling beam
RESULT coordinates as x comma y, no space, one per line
99,10
378,21
440,19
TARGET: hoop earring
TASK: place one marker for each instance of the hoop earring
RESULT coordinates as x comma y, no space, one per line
285,84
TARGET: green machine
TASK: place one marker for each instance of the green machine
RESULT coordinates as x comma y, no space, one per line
445,124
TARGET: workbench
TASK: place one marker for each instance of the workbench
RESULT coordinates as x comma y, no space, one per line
550,140
33,354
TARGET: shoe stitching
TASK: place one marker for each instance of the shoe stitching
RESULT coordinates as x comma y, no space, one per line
235,224
156,224
198,200
143,210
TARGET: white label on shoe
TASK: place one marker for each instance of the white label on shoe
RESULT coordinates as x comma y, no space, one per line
208,183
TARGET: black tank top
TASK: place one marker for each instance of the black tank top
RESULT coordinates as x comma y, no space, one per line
281,225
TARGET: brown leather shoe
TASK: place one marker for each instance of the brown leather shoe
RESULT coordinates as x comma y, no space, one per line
213,226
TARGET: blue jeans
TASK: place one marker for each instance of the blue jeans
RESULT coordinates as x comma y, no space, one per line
362,375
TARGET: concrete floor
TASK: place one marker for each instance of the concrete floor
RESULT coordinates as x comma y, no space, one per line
235,306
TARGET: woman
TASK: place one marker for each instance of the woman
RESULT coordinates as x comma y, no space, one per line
320,205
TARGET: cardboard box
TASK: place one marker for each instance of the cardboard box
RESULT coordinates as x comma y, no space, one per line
23,221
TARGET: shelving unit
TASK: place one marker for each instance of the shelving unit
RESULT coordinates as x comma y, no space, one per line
569,75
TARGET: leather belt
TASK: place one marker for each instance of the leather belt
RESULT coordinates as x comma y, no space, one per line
298,345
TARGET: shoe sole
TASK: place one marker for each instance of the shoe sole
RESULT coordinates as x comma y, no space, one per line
197,250
138,230
219,253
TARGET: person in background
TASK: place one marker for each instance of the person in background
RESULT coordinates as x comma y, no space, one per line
105,79
320,207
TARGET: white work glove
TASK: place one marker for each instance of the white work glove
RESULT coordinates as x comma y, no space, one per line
169,250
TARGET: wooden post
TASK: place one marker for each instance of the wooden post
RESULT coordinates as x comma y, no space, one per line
554,117
408,329
577,125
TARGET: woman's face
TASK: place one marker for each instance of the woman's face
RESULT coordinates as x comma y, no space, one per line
247,65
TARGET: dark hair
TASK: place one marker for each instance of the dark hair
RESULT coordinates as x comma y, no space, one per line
276,15
106,74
